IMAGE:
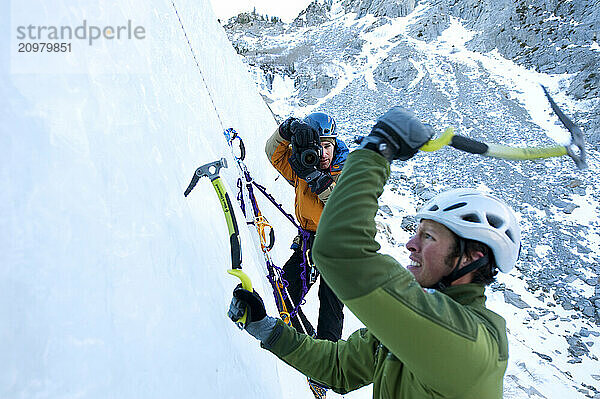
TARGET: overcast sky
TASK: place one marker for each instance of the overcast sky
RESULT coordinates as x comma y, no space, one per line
286,10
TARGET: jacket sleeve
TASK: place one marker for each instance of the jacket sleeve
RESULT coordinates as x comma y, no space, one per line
343,365
278,151
436,338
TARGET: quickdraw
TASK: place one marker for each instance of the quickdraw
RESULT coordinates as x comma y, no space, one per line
265,232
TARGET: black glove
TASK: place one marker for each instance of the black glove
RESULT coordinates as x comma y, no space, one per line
244,299
303,136
284,128
317,181
258,323
397,135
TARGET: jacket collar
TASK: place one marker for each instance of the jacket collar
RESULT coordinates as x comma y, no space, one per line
339,156
467,294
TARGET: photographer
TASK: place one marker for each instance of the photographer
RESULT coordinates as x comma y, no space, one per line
310,156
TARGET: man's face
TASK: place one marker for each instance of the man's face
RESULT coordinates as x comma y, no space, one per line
326,155
429,250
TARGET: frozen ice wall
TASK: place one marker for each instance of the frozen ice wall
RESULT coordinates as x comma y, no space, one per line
112,284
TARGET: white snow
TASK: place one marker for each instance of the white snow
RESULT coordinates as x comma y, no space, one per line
545,335
543,250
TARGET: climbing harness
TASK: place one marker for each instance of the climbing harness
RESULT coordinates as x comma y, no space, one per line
265,232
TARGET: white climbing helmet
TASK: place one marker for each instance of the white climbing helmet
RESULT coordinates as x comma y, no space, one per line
478,216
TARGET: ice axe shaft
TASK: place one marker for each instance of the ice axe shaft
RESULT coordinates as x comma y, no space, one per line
211,170
575,149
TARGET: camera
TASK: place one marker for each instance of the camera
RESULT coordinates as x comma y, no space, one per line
311,155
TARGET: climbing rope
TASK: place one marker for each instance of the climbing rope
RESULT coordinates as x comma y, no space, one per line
198,65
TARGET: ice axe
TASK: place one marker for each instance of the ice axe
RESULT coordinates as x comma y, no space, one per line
575,149
211,170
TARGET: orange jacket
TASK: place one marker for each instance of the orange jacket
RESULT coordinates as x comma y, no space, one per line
308,205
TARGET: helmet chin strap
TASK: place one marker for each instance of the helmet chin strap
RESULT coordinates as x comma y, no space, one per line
458,273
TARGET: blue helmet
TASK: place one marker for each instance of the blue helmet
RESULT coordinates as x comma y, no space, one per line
322,123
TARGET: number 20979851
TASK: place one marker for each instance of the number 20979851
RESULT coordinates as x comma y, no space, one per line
44,47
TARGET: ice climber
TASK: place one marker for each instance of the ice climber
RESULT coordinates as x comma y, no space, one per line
309,154
428,332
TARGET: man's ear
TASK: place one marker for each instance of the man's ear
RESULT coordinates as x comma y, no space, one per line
470,258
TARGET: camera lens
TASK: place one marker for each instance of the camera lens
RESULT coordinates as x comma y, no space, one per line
309,157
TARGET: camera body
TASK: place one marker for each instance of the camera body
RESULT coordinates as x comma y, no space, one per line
310,156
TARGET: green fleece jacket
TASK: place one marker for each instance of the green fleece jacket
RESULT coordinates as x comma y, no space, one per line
417,344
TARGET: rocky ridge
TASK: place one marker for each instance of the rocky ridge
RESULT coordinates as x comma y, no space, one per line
339,63
554,37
